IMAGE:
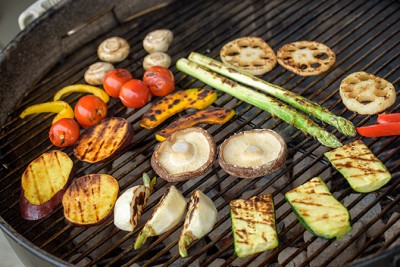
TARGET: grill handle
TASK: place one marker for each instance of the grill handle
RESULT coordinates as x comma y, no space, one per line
34,11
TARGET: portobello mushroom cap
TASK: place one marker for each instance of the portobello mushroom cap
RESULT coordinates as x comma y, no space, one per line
186,154
252,153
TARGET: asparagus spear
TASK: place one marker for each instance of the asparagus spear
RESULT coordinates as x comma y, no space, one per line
275,107
343,125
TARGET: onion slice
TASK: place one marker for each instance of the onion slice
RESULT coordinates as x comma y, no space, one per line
200,220
166,215
130,204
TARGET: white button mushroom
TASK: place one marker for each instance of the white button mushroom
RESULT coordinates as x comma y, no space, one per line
114,49
95,73
158,40
157,59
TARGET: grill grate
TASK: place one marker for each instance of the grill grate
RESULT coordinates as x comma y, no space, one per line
363,35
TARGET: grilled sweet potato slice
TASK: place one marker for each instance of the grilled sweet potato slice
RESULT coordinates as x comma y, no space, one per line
43,184
90,199
103,140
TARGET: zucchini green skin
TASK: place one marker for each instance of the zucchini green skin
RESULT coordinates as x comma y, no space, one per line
359,166
253,225
307,192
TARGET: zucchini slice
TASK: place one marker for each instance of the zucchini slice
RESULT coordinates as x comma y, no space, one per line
359,166
318,210
253,225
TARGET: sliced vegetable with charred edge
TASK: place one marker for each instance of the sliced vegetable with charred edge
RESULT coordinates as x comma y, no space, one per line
318,210
200,219
363,171
43,184
63,109
165,216
253,225
209,116
175,103
82,88
388,118
103,140
343,125
90,199
271,105
130,204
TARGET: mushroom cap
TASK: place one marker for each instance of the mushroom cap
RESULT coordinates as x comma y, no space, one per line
186,154
96,72
114,49
158,40
253,153
157,59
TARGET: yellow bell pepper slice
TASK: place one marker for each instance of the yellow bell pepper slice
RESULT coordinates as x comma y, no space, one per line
82,88
63,109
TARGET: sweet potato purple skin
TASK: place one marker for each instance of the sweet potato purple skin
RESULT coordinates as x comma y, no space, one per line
32,212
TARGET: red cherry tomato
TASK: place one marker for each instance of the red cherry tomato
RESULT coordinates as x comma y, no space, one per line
160,80
90,110
114,80
134,94
64,132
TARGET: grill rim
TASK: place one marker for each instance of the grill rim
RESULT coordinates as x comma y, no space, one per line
34,249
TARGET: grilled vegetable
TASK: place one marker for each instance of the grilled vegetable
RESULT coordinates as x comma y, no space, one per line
82,88
388,118
252,153
186,154
165,216
343,125
63,109
96,72
113,49
318,210
90,199
103,140
64,132
200,219
253,225
90,110
158,40
156,59
251,54
209,116
43,184
365,93
273,106
130,204
175,103
379,130
362,170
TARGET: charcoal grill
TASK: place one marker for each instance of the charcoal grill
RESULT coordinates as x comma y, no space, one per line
55,51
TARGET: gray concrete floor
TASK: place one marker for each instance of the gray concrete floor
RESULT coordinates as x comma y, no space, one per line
9,12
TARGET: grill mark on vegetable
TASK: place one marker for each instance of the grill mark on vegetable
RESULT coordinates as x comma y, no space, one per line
137,209
81,212
42,162
368,173
195,203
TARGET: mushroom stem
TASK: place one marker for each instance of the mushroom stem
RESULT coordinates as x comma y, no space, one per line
182,150
253,151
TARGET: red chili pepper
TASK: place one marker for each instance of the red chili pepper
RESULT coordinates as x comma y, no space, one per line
388,118
385,129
